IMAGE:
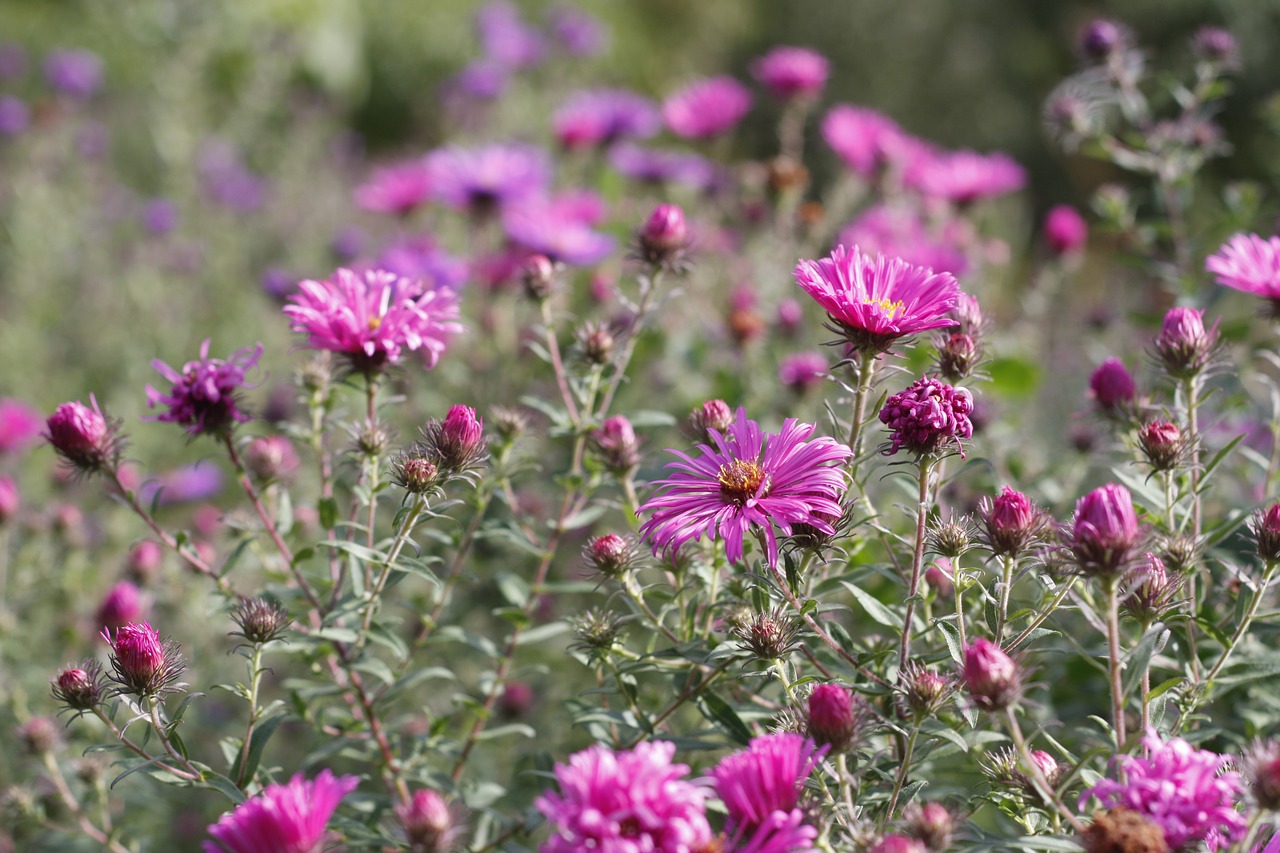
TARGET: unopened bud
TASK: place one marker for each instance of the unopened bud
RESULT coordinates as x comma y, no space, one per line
990,675
261,620
1101,38
1161,443
713,414
833,719
664,236
414,472
145,559
617,445
931,823
538,276
595,343
611,555
9,500
1266,532
1011,522
38,735
769,635
1065,230
79,687
1184,345
1113,387
427,822
958,355
270,458
122,604
83,436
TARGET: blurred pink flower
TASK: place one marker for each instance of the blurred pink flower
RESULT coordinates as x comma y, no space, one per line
1249,263
398,189
706,107
601,117
790,71
289,818
19,425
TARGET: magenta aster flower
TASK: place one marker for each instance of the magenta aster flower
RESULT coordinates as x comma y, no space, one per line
1188,792
398,189
601,117
861,137
874,301
901,233
1112,387
505,38
19,425
765,778
1065,230
287,818
141,662
706,107
481,180
625,802
418,257
1249,263
927,416
374,317
204,396
749,480
560,229
75,73
991,675
661,166
791,71
966,176
122,604
802,371
1105,531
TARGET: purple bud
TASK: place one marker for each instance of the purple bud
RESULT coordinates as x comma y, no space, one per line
1011,522
79,687
160,216
1101,38
664,235
1184,345
1266,531
1215,45
1161,442
271,457
931,823
141,662
426,822
123,604
1065,230
538,275
82,436
833,720
899,844
990,675
611,555
617,444
713,414
1106,529
1112,386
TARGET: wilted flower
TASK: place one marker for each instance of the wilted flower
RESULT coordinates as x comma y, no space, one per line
205,394
79,687
1188,792
927,416
1011,523
1249,263
706,108
289,817
874,301
788,72
990,675
1265,525
601,117
1105,530
141,662
398,189
1113,388
636,798
749,481
260,620
1122,830
1065,230
1184,345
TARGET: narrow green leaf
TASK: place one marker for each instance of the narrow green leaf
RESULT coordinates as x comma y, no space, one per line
874,607
719,711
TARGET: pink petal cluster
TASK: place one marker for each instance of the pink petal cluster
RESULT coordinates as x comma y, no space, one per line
1065,230
1105,530
397,189
489,177
927,416
1112,386
790,71
876,299
289,818
625,802
19,425
204,396
560,228
902,233
374,317
966,176
1188,792
1249,263
749,480
760,787
600,117
862,137
706,108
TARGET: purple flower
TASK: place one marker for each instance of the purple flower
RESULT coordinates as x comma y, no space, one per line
600,117
558,228
204,394
748,480
966,176
661,166
288,818
226,181
397,189
902,233
1249,263
1188,792
505,38
1112,386
427,822
927,416
188,484
899,844
420,258
788,72
1105,530
19,425
373,317
481,180
625,802
75,73
1065,230
860,136
766,778
833,719
160,216
83,436
875,300
706,107
15,116
1100,38
10,500
578,32
122,604
802,371
1214,44
483,80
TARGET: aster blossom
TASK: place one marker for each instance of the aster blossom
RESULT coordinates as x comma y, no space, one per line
397,189
84,438
760,786
860,136
142,662
964,177
373,317
600,117
661,166
560,229
1188,792
706,108
635,801
875,300
1105,531
927,416
1251,264
204,396
287,818
747,479
788,72
489,177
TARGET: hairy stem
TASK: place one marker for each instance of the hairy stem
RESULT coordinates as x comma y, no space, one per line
1112,588
917,559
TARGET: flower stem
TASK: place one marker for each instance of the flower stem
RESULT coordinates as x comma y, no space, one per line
255,678
1245,621
1037,775
1006,583
1112,588
917,559
866,371
903,769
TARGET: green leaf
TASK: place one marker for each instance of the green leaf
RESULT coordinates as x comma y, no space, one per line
328,509
257,742
719,711
582,518
225,786
1139,659
874,607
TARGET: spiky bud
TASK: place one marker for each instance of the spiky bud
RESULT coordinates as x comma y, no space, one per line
769,635
616,443
141,662
611,555
38,735
79,687
958,355
952,537
85,439
427,822
508,423
1184,346
595,633
713,414
1162,444
1262,770
457,443
538,276
833,716
931,823
1011,523
260,620
413,471
664,236
595,343
1266,532
924,691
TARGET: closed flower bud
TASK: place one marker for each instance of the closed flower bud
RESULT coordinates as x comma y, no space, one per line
141,662
611,555
414,472
123,604
664,236
1262,770
9,500
899,844
924,690
1100,39
1266,532
1161,443
1105,531
713,414
1214,44
372,439
538,276
940,576
1113,388
427,822
144,561
83,437
931,823
1011,523
990,675
79,687
595,343
509,424
617,445
457,444
833,719
270,458
951,537
595,633
1049,766
38,735
260,620
1152,590
958,355
1065,230
769,635
1184,346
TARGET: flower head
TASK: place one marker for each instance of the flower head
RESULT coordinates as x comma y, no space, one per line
1188,792
456,444
560,229
1065,230
1184,345
482,180
373,317
664,236
1214,44
601,117
611,555
1011,522
875,300
1106,530
79,687
287,818
706,108
635,801
861,137
991,676
1112,387
661,166
749,480
615,441
789,72
204,396
141,662
903,233
85,439
833,717
1249,263
427,822
122,604
398,189
1101,38
577,32
802,371
75,73
765,778
19,425
927,416
967,176
1162,443
931,824
1265,526
505,38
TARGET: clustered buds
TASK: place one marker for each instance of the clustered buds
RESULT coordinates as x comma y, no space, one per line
928,416
1184,346
141,662
616,443
454,447
611,555
713,414
260,620
990,675
1266,533
79,687
427,823
86,440
664,237
833,717
1106,530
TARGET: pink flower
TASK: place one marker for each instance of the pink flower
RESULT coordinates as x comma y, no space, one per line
1065,230
749,480
123,604
902,233
664,235
661,166
1112,386
559,228
791,71
141,662
396,189
1188,792
204,396
860,136
766,778
19,425
287,818
601,117
966,176
899,844
625,802
10,500
1249,263
373,317
991,675
877,300
802,371
491,177
1011,522
927,416
427,822
1184,345
706,107
1106,529
83,436
833,720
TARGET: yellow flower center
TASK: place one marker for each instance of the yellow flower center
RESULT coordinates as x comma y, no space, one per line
374,323
740,480
889,309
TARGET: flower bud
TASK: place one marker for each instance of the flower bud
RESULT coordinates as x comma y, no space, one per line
769,635
83,436
1011,522
595,343
713,414
38,735
1065,230
79,687
1184,345
664,236
461,436
1266,532
123,604
595,633
611,555
517,700
1100,39
1262,770
1214,44
1105,531
931,823
617,445
1161,442
508,423
144,561
270,458
372,438
9,499
427,822
414,472
538,276
833,720
1113,387
899,844
990,675
924,690
141,662
1049,766
958,355
261,620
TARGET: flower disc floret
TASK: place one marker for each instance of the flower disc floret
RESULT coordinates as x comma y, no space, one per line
288,818
748,480
204,395
875,300
1188,792
374,317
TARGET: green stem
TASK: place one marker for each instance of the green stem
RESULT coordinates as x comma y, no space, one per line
402,536
866,371
1063,590
1006,585
917,559
255,678
959,593
903,769
1042,785
1243,627
1112,588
